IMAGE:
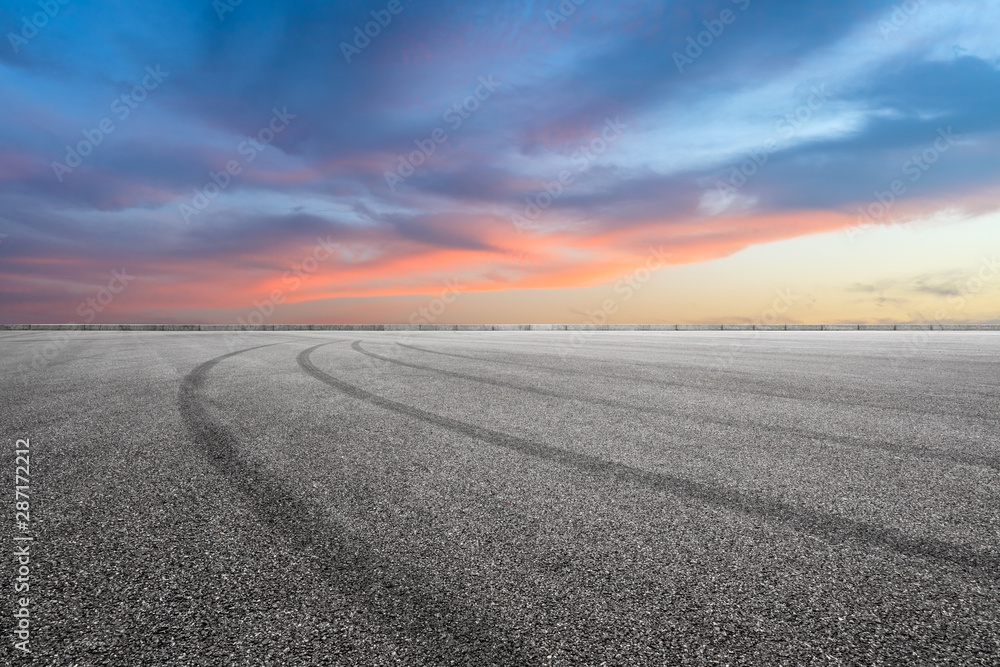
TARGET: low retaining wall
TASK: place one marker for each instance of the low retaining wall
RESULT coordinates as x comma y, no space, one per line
500,327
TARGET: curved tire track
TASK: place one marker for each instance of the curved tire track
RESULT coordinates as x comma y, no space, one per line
805,434
831,528
684,385
403,600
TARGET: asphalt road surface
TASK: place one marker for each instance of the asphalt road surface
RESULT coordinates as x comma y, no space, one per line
515,498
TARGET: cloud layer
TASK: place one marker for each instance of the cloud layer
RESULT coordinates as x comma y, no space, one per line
223,152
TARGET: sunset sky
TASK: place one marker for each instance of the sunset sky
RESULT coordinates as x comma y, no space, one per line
400,161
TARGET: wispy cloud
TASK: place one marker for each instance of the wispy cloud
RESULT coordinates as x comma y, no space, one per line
884,98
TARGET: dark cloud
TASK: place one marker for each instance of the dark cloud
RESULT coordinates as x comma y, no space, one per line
353,121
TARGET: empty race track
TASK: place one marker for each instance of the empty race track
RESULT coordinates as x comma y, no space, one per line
507,498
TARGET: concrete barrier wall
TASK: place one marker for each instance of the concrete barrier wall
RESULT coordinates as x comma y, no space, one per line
500,327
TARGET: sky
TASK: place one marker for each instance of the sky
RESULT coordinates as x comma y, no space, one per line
409,161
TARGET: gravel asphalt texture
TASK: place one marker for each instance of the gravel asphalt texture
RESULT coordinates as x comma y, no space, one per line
506,498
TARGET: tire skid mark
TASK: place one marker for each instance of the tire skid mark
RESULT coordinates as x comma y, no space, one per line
985,416
64,355
15,335
850,441
969,459
828,527
401,600
70,339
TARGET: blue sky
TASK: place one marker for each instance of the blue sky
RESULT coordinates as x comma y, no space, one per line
534,153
